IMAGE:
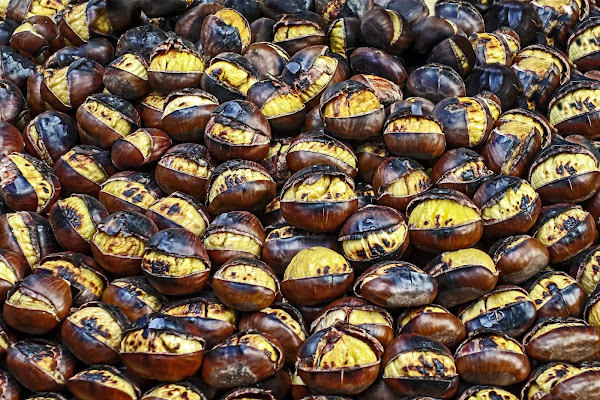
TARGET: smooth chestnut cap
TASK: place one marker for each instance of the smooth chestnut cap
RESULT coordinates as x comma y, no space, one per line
315,172
594,332
442,194
239,222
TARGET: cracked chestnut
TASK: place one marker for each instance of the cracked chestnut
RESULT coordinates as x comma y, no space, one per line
179,210
226,30
229,77
398,180
460,169
416,136
50,135
140,148
294,32
316,147
466,121
434,322
129,191
127,76
556,294
173,391
518,258
105,381
12,269
11,139
134,296
186,113
151,107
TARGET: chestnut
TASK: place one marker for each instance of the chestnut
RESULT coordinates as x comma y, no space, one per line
186,113
518,258
435,82
316,147
556,294
50,135
415,136
213,319
33,38
127,76
490,47
150,108
172,391
365,194
585,269
562,339
340,359
387,30
539,77
437,216
12,269
460,169
99,50
315,191
565,230
67,88
234,234
179,210
106,381
268,58
40,365
225,31
398,180
295,32
134,296
466,121
370,155
141,39
27,183
386,91
27,234
20,10
344,36
582,54
185,168
487,393
567,118
523,20
103,119
93,333
243,359
456,52
237,130
229,77
15,68
434,322
11,139
272,217
492,358
561,380
429,31
15,107
129,191
497,79
239,185
396,284
139,148
591,312
162,347
189,23
316,275
492,102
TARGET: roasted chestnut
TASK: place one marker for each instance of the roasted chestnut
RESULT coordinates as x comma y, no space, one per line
134,296
561,380
225,31
435,82
455,52
229,77
106,381
127,76
572,110
15,107
294,32
172,391
466,121
586,269
344,36
316,147
387,30
50,135
487,393
186,113
34,37
281,105
267,57
141,39
129,191
556,294
398,180
12,269
370,155
539,75
518,258
11,139
490,48
179,210
99,50
415,136
139,148
497,79
150,108
460,169
434,322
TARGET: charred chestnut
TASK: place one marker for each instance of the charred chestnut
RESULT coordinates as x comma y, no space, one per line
435,82
295,32
179,210
561,380
570,119
399,180
14,105
487,393
586,269
50,135
490,48
140,148
129,191
466,121
106,381
556,294
134,296
12,269
150,108
539,74
370,155
497,79
460,169
229,77
186,113
141,39
316,147
268,58
33,38
275,162
416,136
518,258
127,76
225,31
434,322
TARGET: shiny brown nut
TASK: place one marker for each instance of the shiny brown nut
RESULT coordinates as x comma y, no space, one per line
74,221
127,76
185,168
225,31
103,119
508,205
374,234
120,241
415,136
523,20
497,79
229,77
142,39
316,275
214,320
33,38
11,139
492,358
267,57
398,180
238,130
396,284
561,380
245,284
84,169
175,64
374,320
310,71
27,234
37,304
456,52
466,121
239,185
434,322
50,135
556,294
172,391
129,191
140,148
40,365
490,48
562,339
234,234
93,333
15,68
557,20
179,210
539,77
283,322
294,32
150,107
565,172
134,296
99,50
66,88
15,107
370,155
316,147
565,230
387,30
341,359
417,365
462,275
518,258
27,183
12,269
437,214
186,113
435,82
162,347
487,393
460,169
570,119
585,269
580,50
344,36
284,242
175,262
105,381
243,359
262,29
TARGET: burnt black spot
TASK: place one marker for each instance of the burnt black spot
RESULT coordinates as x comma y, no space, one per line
129,192
467,175
571,223
525,201
137,198
440,368
174,209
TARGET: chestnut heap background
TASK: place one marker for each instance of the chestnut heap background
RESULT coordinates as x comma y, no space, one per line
299,199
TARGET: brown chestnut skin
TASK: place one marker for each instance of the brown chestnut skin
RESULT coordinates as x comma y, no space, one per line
150,107
271,217
179,210
348,377
455,52
330,10
10,139
584,269
225,31
127,76
134,296
387,30
465,15
189,24
243,359
50,135
298,31
186,113
435,82
268,58
492,358
435,322
216,77
84,169
518,258
415,136
567,382
538,76
141,39
93,333
370,155
430,31
434,372
398,180
185,168
13,268
23,359
460,169
369,60
496,78
585,58
99,50
129,191
556,294
15,107
396,284
570,120
562,339
34,37
262,30
105,380
490,47
165,252
466,120
140,148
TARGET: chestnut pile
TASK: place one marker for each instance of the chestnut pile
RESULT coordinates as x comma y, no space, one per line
299,200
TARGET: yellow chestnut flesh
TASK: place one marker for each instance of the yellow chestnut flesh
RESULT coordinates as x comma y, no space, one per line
21,232
7,274
109,117
232,178
86,277
176,61
130,63
287,320
109,379
233,135
183,102
347,352
232,241
232,75
491,303
249,275
325,189
174,391
256,341
511,203
181,212
351,104
144,341
24,298
186,166
142,141
43,188
466,257
132,192
441,213
492,394
319,76
211,311
233,18
562,166
77,20
411,184
119,245
325,148
85,166
80,220
548,378
420,364
413,124
314,262
575,103
288,32
590,276
375,244
56,81
420,311
544,290
584,43
100,324
283,104
168,265
556,228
